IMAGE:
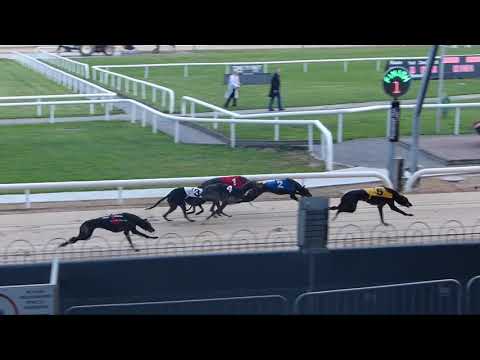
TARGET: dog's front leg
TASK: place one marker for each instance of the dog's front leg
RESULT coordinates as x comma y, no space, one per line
127,235
380,210
136,232
394,208
293,197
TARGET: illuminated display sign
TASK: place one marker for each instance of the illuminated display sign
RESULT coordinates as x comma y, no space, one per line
456,67
396,82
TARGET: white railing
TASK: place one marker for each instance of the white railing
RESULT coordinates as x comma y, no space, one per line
39,98
120,185
411,182
339,112
115,81
65,63
135,108
305,63
63,78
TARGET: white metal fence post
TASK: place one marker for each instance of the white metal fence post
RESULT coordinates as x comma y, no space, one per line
39,108
457,122
185,71
276,131
107,112
310,138
177,131
144,91
28,203
154,123
183,109
345,66
52,114
120,195
146,72
215,124
305,67
232,136
133,112
154,95
144,118
192,109
340,129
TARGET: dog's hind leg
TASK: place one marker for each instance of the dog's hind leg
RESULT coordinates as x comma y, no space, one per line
85,234
201,210
380,210
336,215
213,211
130,240
172,209
182,206
220,210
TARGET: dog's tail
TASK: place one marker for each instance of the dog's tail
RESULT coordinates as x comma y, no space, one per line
333,208
67,242
158,203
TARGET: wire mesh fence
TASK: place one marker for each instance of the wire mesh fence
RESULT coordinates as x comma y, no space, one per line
240,241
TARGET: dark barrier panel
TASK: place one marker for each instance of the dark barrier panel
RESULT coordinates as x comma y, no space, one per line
182,278
352,268
259,305
473,296
441,297
25,274
288,274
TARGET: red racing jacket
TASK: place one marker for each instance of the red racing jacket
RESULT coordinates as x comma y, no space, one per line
237,182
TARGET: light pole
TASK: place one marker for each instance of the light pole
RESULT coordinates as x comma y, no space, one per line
418,110
441,76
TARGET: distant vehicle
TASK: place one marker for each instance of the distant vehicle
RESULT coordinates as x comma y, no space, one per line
87,50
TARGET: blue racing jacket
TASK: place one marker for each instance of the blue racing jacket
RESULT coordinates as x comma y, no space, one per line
275,185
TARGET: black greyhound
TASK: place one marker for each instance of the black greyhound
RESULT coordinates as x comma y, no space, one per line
124,222
379,196
236,182
278,187
219,194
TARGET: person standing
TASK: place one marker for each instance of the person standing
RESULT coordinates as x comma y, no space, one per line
232,89
275,91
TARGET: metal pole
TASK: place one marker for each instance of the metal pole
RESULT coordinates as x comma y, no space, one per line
418,110
440,88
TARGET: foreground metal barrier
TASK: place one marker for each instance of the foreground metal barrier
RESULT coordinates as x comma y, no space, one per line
441,297
251,305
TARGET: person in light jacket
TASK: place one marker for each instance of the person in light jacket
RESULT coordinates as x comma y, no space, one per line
275,91
232,89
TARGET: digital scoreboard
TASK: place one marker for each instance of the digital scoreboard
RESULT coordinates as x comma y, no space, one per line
455,67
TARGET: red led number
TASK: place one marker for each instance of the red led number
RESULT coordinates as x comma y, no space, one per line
396,87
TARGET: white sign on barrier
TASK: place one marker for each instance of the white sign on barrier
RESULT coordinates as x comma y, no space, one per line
27,300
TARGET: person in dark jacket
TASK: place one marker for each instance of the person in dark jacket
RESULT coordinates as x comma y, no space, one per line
275,91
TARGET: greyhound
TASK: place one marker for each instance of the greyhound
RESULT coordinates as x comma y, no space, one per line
115,223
